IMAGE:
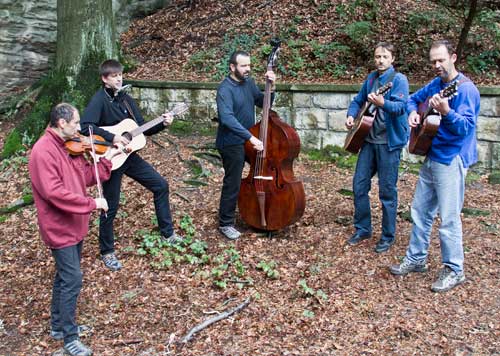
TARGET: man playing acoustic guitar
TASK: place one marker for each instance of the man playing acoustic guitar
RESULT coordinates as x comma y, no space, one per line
108,107
381,150
441,183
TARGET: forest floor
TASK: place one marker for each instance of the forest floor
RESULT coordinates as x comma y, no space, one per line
310,293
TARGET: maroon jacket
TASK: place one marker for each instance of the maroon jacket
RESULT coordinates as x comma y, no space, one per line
59,184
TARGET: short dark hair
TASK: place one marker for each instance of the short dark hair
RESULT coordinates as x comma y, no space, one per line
388,46
61,111
446,43
235,54
110,66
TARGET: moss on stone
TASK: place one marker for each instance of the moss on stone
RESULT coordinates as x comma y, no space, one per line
494,177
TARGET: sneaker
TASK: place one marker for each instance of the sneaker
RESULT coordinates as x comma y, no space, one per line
230,232
173,239
59,335
406,267
447,279
111,262
357,238
76,348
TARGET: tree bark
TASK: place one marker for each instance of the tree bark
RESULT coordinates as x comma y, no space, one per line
466,28
84,27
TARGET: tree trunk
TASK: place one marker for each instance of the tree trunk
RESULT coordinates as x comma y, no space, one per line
466,28
84,27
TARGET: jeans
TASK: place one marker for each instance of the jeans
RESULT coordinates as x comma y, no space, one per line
65,291
233,160
376,158
141,171
440,188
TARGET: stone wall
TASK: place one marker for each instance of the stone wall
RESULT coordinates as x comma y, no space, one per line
317,111
28,34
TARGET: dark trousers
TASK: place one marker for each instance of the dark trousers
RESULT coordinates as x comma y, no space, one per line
65,291
233,161
142,172
376,158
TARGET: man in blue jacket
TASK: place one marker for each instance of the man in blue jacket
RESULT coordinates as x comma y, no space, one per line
441,182
381,150
237,96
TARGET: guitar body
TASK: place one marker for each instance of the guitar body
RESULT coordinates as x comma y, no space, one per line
422,135
123,129
363,123
356,135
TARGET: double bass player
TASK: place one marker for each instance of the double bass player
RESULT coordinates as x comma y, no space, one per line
237,96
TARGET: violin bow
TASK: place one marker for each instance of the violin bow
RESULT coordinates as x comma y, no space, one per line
94,156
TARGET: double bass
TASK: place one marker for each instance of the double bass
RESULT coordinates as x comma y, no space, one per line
271,198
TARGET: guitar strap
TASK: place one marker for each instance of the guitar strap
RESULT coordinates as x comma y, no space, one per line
390,79
127,105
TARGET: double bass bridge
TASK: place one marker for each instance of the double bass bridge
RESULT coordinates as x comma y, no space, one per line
263,177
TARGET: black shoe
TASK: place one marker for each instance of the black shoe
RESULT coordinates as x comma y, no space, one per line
384,245
357,238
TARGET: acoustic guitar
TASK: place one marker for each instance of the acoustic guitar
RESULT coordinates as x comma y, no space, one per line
421,136
135,133
363,123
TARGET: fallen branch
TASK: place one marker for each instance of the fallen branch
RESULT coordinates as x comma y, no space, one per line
123,342
214,319
176,146
183,197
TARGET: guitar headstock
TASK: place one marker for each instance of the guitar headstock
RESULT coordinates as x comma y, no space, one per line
179,109
273,57
384,89
450,90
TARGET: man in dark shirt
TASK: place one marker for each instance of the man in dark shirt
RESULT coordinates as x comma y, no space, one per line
381,150
109,106
237,96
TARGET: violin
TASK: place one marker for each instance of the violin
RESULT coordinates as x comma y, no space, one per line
80,144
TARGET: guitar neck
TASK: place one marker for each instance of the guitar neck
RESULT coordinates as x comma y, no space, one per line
146,126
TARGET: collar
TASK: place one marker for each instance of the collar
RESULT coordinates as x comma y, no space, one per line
235,82
386,74
55,136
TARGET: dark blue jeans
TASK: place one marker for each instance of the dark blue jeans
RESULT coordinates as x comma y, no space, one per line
142,172
65,291
376,158
233,160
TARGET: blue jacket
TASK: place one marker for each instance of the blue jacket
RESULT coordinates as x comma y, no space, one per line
396,118
236,110
457,132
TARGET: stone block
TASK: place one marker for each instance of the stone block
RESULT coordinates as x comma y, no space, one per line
310,119
149,94
484,154
302,100
409,157
285,114
203,96
284,99
495,155
336,121
332,138
488,128
309,139
331,100
490,106
183,95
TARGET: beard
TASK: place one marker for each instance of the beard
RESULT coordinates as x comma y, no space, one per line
242,76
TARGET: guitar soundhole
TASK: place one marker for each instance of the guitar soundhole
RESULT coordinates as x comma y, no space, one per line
127,135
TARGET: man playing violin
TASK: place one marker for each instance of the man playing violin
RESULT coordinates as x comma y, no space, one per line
381,150
441,184
236,98
59,184
109,106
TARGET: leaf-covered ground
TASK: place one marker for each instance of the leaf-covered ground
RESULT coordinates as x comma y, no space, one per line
329,298
323,41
